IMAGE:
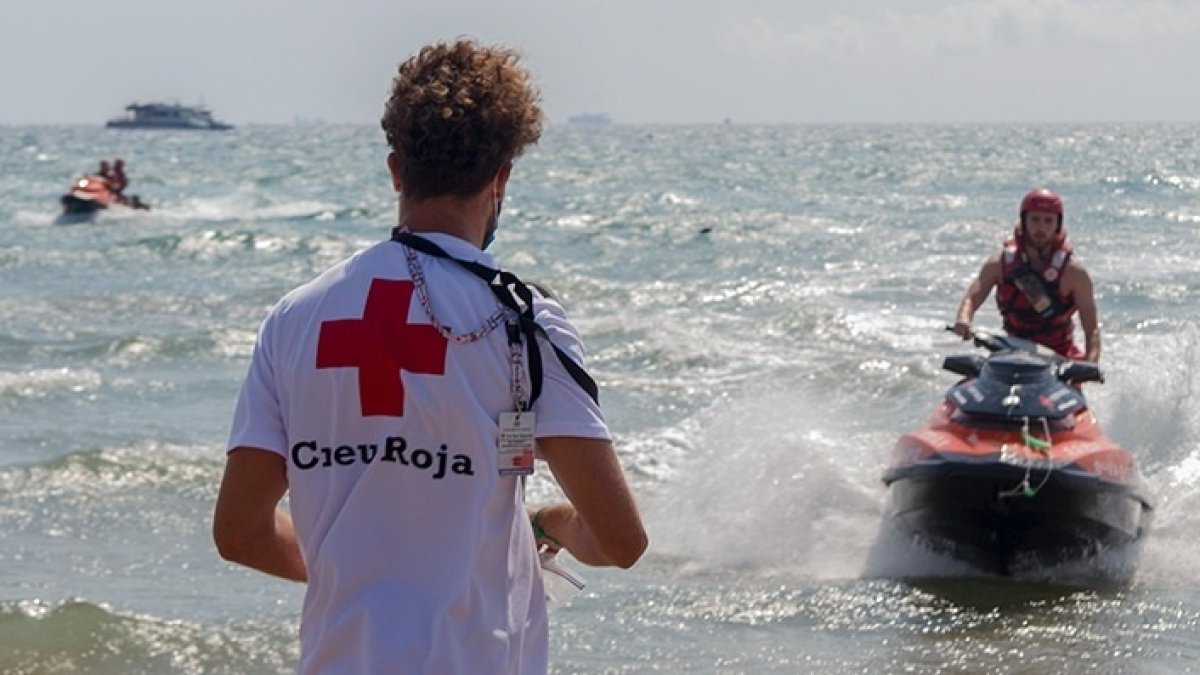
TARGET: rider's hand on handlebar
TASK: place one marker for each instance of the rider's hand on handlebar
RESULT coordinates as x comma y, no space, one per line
962,329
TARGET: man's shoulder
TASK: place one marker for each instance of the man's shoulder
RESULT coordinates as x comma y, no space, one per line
552,317
1074,266
311,293
1074,276
993,267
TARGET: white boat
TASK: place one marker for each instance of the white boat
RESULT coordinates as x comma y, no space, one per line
590,119
166,116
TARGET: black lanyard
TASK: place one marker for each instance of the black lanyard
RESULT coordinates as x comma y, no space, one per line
515,295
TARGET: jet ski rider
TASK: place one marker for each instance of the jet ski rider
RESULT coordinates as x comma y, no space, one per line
1040,284
118,181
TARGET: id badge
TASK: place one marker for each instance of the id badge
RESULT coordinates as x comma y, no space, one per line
516,443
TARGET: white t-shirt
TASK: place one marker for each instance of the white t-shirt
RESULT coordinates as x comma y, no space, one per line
420,558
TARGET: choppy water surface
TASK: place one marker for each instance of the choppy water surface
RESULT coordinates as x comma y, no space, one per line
763,307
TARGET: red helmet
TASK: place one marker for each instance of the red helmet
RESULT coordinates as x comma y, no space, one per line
1042,200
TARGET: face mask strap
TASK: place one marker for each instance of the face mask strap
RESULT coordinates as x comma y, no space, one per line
491,233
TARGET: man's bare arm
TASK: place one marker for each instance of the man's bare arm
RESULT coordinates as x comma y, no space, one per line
977,293
249,528
1085,299
600,525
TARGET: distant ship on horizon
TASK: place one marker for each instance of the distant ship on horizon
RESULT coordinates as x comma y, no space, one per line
590,119
166,116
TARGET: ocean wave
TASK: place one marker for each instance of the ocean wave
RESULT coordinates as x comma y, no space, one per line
94,480
243,209
174,344
40,383
78,636
216,344
30,217
213,245
193,211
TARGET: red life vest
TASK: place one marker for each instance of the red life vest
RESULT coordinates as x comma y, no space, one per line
1031,301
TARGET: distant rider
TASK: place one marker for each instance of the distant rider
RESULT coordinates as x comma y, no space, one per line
1040,284
117,181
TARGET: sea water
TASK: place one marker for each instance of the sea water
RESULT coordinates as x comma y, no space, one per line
764,308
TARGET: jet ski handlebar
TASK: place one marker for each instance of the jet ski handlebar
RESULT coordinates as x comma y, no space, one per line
1066,370
1080,371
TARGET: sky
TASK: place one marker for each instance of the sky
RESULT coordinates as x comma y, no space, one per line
639,61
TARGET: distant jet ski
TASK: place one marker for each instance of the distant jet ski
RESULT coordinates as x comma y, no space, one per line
1012,468
92,193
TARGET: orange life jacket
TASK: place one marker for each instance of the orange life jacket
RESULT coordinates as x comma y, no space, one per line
1031,301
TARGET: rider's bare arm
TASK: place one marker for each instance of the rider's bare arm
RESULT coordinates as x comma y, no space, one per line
977,293
1077,283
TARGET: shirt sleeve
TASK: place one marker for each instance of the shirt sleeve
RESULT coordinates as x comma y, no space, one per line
258,417
564,408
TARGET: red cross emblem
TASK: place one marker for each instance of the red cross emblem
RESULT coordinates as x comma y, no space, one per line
380,345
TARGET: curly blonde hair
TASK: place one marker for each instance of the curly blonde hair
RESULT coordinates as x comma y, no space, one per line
456,114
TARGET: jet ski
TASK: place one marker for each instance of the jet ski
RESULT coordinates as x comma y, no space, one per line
87,195
1012,469
90,194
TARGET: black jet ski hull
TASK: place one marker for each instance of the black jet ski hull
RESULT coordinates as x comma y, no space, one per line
975,511
73,205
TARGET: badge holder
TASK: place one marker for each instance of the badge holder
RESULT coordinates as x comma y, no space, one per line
516,443
1034,291
516,428
516,455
